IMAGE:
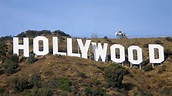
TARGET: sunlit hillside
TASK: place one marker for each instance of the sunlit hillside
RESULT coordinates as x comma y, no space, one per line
57,75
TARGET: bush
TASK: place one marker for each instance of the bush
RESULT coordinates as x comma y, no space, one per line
19,84
102,68
61,33
146,93
14,58
5,38
3,49
158,42
114,75
60,83
35,80
44,92
31,58
147,67
95,82
2,54
95,91
167,52
22,34
2,89
34,33
10,67
168,39
105,37
145,45
165,91
145,62
162,69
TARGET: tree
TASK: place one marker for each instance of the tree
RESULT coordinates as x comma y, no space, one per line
114,75
10,67
23,34
61,33
11,64
3,49
14,58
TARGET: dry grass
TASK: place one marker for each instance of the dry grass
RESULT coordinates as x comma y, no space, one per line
50,66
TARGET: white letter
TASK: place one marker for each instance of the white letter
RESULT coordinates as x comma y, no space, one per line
25,46
113,53
139,55
55,47
152,48
84,48
36,45
69,48
99,51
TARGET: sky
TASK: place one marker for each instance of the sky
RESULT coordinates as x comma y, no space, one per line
82,18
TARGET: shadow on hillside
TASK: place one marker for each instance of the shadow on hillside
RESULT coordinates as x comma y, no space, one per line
128,86
1,72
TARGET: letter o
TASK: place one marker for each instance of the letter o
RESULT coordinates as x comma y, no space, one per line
36,45
139,55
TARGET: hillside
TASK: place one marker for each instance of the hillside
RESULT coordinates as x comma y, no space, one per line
56,75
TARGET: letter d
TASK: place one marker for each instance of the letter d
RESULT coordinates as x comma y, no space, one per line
152,58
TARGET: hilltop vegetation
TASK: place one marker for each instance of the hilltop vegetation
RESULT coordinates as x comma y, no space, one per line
56,75
34,33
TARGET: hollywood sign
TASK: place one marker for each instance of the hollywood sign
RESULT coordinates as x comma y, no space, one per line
98,50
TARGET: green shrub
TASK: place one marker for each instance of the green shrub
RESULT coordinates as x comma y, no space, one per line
2,89
31,58
35,80
14,58
167,52
60,83
44,92
18,84
95,82
162,69
165,91
10,67
2,54
147,67
64,84
91,91
146,93
64,93
61,33
168,39
145,45
5,38
114,75
101,68
105,37
162,83
145,62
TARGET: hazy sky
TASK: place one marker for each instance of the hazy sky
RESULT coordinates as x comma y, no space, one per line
81,18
